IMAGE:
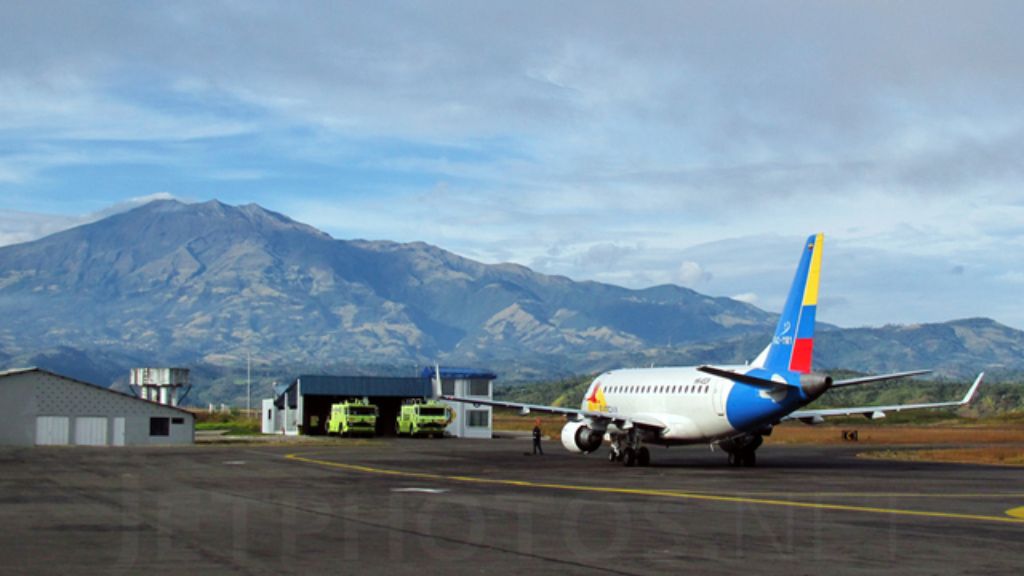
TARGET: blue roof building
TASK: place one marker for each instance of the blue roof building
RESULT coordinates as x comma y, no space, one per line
303,406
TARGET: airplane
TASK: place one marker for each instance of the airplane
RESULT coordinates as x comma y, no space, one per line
729,407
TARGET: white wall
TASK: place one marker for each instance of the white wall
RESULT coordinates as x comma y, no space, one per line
460,427
27,395
18,402
270,417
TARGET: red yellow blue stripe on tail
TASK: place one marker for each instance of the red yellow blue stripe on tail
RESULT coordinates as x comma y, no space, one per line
792,348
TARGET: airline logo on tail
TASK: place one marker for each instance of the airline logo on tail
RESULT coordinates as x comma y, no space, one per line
793,345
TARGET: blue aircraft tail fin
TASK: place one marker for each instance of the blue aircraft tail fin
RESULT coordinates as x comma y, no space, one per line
792,346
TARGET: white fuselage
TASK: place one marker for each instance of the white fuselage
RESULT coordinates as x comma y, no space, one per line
690,404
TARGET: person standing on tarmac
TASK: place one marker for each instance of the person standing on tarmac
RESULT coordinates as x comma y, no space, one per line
536,439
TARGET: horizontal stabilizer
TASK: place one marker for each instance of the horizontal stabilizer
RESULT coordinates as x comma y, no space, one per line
878,378
743,378
875,412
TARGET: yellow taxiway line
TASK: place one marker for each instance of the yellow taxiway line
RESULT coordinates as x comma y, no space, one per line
1015,516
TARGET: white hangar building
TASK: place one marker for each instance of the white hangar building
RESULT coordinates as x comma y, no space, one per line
44,408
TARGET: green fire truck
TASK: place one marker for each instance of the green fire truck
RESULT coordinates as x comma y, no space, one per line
353,417
423,419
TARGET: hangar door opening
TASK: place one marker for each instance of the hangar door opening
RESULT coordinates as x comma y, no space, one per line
317,412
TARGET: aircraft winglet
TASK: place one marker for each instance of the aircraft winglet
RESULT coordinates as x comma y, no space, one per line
973,390
436,383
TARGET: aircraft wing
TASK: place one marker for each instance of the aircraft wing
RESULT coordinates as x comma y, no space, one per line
642,420
816,416
524,408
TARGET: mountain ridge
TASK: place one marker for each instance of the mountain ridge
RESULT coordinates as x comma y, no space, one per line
165,274
205,284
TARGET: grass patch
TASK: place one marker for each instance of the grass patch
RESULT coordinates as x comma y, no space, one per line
508,420
233,423
798,433
990,455
240,428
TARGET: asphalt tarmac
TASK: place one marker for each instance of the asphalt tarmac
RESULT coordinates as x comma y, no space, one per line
410,506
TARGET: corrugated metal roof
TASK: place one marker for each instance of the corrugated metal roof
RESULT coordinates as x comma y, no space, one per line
460,374
355,386
17,371
313,385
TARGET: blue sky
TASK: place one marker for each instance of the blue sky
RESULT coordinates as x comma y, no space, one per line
691,143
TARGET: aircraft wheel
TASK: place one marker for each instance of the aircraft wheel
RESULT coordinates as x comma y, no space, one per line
629,458
611,456
643,456
751,459
734,459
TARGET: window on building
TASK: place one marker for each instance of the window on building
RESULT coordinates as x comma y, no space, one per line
448,387
477,418
178,421
159,426
479,388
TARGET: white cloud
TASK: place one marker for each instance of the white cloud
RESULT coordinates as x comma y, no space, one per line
18,227
57,105
691,274
598,140
747,298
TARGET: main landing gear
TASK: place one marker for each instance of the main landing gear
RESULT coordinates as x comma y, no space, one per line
626,448
742,450
746,458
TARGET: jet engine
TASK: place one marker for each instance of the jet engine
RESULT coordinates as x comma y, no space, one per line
579,438
815,384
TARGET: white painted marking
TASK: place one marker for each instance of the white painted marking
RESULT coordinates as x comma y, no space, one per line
420,490
235,463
